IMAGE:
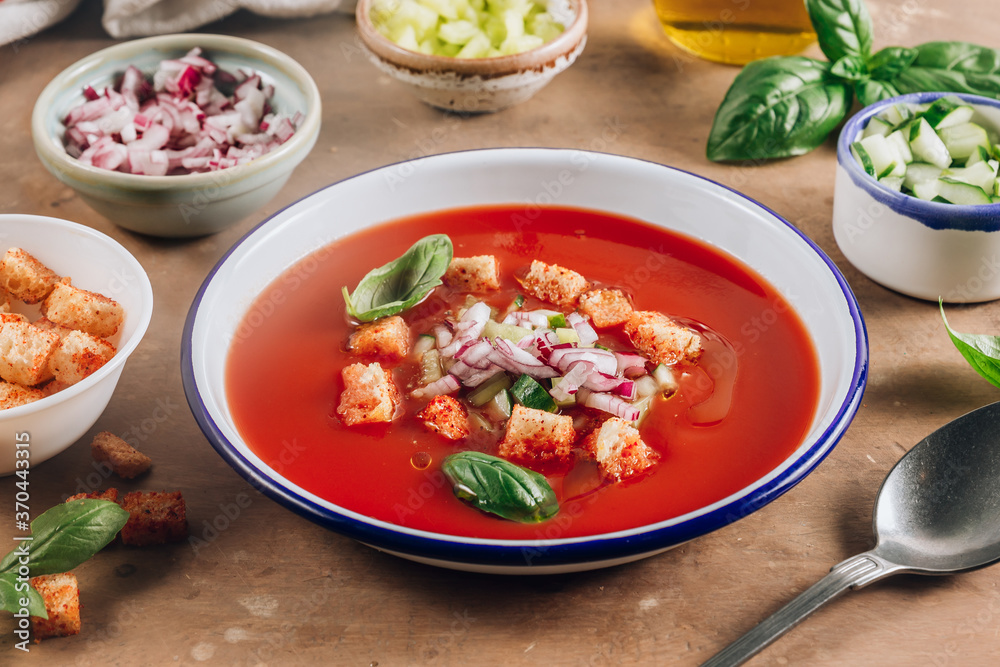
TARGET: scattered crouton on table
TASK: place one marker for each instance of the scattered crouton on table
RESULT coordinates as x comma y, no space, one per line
154,518
369,396
662,339
446,416
62,602
108,494
86,311
388,337
126,461
555,284
24,277
619,450
537,437
606,307
473,274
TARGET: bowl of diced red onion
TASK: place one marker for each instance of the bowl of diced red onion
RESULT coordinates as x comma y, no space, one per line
178,135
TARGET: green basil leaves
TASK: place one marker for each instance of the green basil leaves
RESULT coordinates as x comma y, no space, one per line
401,283
785,106
980,350
499,487
61,538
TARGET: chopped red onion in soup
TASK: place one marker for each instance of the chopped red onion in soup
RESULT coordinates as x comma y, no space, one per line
180,123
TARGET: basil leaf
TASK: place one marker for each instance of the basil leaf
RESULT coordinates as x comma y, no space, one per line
980,350
10,597
850,68
843,27
497,486
778,107
890,61
957,67
67,535
870,91
403,282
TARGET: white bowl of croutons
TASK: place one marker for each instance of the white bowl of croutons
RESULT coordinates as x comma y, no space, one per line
75,305
571,360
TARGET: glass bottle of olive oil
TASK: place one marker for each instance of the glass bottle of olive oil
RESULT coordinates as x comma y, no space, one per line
736,31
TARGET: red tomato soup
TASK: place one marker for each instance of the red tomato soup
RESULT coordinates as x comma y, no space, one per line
739,412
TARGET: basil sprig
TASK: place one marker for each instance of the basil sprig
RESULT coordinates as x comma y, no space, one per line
401,283
980,350
499,487
787,105
62,538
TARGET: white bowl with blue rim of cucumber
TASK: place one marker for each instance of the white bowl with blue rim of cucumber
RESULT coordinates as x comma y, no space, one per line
917,198
472,57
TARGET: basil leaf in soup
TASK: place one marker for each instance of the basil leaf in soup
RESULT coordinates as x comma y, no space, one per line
778,107
401,283
843,27
499,487
980,350
956,67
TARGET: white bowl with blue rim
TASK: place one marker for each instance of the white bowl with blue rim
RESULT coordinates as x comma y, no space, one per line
920,248
647,191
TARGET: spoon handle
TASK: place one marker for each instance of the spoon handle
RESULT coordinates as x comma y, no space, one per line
855,571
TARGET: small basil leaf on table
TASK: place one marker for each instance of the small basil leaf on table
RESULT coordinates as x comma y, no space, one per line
401,283
67,535
870,91
957,67
890,61
10,597
778,107
843,27
497,486
850,68
980,350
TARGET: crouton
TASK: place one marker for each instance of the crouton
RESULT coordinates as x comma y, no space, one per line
78,355
662,339
154,518
45,324
555,284
369,395
126,461
62,601
606,307
25,277
537,437
108,494
25,351
619,450
4,301
473,274
13,395
388,338
12,317
77,308
447,416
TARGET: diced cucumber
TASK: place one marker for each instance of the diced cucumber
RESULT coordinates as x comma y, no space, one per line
919,172
892,182
981,154
665,379
498,408
958,192
457,32
927,189
877,126
884,158
530,394
863,158
643,406
948,111
557,321
493,329
485,392
566,335
897,140
477,47
430,367
890,170
963,140
897,114
569,402
981,174
927,145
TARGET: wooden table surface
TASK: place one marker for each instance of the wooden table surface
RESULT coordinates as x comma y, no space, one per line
268,587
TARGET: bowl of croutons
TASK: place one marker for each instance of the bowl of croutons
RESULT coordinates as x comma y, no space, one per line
74,305
572,361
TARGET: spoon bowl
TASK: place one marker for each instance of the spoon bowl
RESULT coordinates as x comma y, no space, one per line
937,512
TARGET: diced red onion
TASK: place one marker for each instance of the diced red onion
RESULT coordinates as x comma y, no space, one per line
604,361
570,383
608,403
446,385
631,364
514,359
587,334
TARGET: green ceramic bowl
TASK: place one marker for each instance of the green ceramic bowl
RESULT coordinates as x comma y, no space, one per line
189,204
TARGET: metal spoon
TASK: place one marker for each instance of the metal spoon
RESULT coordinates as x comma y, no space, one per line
938,512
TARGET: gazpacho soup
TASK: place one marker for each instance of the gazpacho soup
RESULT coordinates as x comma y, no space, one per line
476,372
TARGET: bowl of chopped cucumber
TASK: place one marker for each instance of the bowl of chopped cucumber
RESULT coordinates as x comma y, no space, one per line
917,196
472,56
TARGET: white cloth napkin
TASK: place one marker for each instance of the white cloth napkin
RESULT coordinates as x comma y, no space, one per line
131,18
22,18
